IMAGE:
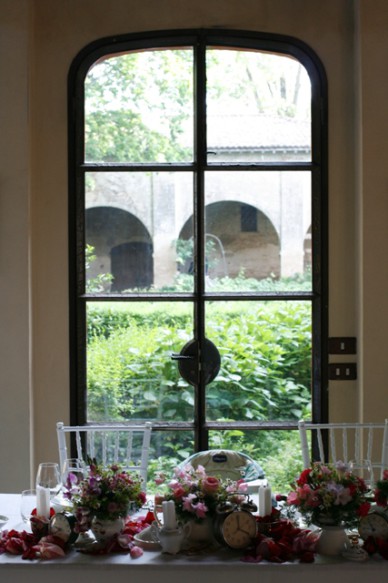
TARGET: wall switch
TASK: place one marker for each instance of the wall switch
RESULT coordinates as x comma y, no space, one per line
342,345
342,371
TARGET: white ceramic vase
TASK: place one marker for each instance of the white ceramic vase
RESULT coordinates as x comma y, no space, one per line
199,533
103,530
333,541
171,540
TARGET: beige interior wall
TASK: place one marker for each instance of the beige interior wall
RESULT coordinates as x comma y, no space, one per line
14,247
58,30
373,228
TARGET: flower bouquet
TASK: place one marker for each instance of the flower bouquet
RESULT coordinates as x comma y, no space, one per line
106,493
381,491
197,495
327,494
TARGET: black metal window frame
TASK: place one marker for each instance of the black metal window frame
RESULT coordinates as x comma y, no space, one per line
318,167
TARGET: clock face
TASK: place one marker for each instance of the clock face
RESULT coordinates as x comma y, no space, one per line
62,526
239,529
375,525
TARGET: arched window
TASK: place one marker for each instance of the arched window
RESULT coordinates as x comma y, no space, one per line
197,165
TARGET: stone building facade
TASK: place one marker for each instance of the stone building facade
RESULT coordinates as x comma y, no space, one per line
258,223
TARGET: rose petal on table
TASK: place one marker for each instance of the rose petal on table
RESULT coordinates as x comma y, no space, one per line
136,552
50,550
15,546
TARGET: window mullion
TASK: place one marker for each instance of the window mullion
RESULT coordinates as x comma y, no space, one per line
201,436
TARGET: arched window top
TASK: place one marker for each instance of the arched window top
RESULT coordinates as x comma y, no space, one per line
270,89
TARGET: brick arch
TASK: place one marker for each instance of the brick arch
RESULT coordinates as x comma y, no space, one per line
237,241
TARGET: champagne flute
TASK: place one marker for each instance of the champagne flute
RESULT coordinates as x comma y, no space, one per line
48,477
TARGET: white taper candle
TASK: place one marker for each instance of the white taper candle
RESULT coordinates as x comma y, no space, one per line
268,501
43,502
169,516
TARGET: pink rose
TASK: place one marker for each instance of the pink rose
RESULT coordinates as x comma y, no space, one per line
210,484
292,498
178,492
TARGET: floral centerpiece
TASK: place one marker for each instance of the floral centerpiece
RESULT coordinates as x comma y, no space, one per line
106,493
327,494
381,490
197,495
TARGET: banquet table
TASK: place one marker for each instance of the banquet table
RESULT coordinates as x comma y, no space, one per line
223,566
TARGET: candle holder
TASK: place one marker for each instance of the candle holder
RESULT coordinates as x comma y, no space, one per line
171,540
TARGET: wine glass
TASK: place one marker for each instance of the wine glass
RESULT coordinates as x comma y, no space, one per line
363,469
48,477
27,505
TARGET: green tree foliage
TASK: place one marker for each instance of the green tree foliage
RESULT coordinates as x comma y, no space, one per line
100,282
265,351
139,105
136,105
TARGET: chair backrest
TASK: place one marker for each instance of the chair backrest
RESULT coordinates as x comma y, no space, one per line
224,463
358,442
127,445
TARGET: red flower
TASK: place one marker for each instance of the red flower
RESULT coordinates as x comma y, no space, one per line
363,509
304,476
142,498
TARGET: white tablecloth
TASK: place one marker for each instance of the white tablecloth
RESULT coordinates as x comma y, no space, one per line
155,567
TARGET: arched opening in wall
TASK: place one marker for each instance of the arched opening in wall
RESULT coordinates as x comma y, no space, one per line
132,266
122,248
240,239
307,250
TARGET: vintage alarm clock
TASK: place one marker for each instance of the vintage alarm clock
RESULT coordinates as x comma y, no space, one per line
374,524
62,525
235,526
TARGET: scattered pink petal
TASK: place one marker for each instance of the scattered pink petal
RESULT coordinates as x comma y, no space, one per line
50,550
136,552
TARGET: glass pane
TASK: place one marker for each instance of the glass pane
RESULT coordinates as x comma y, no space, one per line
258,106
139,108
258,231
130,373
268,448
139,232
266,361
168,449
